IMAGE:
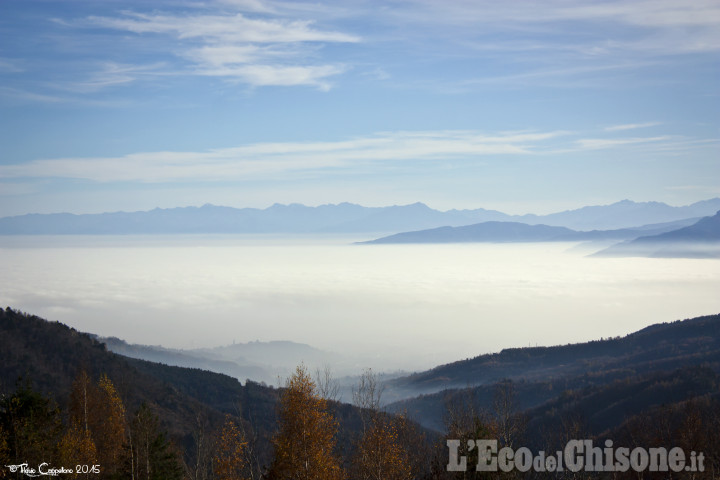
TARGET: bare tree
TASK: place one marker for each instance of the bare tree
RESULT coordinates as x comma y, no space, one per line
368,392
326,385
202,466
510,424
380,453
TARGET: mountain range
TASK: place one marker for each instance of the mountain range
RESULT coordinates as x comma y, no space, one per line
521,232
689,238
340,218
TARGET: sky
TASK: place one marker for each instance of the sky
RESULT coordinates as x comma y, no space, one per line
522,106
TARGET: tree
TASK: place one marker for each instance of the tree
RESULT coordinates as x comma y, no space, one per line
510,423
31,425
4,452
151,456
380,454
305,442
327,387
230,461
83,401
464,421
77,448
110,435
98,411
199,465
367,395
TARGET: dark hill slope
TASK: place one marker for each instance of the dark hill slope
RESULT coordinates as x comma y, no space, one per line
678,343
50,355
601,384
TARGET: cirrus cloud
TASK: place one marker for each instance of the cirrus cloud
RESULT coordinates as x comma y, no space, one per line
255,51
271,159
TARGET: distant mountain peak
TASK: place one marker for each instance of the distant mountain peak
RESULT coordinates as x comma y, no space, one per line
415,206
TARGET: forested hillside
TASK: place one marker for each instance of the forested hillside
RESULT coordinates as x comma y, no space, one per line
63,395
66,400
658,386
658,347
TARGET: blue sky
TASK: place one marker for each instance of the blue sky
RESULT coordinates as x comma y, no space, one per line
521,106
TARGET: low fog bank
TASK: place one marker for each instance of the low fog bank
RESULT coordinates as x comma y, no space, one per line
389,307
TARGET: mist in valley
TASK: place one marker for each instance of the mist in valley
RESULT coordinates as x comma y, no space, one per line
389,307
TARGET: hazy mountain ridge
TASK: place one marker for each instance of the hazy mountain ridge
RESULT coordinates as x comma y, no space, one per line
338,218
502,232
481,232
257,361
189,359
625,214
700,240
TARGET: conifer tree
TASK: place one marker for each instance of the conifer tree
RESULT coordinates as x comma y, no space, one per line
152,456
31,425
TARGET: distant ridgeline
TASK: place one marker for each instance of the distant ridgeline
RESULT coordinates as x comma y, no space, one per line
348,218
659,386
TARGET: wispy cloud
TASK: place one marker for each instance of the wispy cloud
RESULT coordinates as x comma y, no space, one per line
10,66
16,94
631,126
278,75
112,74
559,38
600,143
271,159
698,18
568,76
256,51
640,12
232,28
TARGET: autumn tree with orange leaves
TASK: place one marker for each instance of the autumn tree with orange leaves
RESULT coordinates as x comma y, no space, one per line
77,448
305,443
230,461
97,432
